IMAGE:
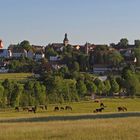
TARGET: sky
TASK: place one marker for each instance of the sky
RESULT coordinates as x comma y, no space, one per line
46,21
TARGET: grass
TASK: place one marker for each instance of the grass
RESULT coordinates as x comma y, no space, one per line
14,76
99,129
79,124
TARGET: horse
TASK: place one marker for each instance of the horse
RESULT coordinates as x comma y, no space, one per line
102,105
17,108
96,101
61,108
122,108
56,108
25,108
33,109
98,110
68,108
41,106
45,107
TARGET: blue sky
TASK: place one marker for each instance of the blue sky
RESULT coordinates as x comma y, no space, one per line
45,21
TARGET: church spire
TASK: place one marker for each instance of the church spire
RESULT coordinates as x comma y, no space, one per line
66,41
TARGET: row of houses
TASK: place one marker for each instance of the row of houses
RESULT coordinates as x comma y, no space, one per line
17,52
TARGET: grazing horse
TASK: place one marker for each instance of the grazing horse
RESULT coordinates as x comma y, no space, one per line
122,108
61,108
33,109
68,108
17,108
25,108
45,107
56,108
42,107
96,101
102,105
98,110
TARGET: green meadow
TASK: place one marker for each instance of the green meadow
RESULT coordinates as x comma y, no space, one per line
79,124
15,76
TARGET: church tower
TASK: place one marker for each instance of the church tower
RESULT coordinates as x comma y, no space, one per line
65,41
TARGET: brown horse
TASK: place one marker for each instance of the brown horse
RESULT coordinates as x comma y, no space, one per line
32,109
56,108
61,108
122,108
68,108
17,108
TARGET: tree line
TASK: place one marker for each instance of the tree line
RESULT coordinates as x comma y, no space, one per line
56,88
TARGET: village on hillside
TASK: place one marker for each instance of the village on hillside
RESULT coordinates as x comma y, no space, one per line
93,58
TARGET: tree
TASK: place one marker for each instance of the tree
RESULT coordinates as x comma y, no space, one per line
50,52
115,58
2,96
107,87
137,43
39,93
81,88
114,85
137,55
123,42
75,66
132,83
100,86
26,45
91,87
15,96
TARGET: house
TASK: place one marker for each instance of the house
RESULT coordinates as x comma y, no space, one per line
58,47
18,52
55,58
39,55
4,53
30,54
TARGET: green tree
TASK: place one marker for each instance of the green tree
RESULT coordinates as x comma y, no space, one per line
100,86
91,87
107,87
2,96
81,88
132,83
137,43
26,45
115,58
123,42
114,85
137,55
16,93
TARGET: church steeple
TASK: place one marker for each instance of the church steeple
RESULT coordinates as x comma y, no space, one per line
65,41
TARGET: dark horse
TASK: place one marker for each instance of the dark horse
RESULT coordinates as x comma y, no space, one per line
17,108
61,108
98,110
102,105
122,108
56,108
68,108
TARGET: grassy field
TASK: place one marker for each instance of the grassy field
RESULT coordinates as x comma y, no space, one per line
14,76
79,124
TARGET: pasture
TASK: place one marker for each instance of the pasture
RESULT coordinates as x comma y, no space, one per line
80,123
14,76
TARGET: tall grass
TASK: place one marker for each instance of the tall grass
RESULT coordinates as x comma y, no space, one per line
104,129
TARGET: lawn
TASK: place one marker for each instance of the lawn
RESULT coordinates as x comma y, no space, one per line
79,124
